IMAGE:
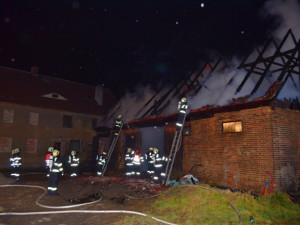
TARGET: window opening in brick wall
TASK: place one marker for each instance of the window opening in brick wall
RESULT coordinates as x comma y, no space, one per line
33,118
8,116
67,121
232,127
5,144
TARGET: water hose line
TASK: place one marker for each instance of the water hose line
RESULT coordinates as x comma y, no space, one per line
71,206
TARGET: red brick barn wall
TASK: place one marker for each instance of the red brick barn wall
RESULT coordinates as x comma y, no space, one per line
286,133
234,160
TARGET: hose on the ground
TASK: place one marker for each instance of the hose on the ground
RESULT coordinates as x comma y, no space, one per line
45,192
83,211
71,206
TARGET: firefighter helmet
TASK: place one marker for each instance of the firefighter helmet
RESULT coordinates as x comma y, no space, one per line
17,150
155,150
50,149
151,149
13,151
73,153
55,152
119,117
183,99
104,153
138,149
129,149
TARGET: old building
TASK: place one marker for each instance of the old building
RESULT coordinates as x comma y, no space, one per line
38,111
233,146
243,128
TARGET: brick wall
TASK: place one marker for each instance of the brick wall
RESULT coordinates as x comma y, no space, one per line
286,145
234,160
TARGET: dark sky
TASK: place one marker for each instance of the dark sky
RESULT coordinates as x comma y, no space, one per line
125,43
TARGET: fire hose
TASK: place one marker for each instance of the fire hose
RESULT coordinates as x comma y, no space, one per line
71,206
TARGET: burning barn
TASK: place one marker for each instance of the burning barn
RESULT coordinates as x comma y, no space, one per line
243,127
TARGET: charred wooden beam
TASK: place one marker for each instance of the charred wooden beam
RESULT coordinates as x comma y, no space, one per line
258,60
276,54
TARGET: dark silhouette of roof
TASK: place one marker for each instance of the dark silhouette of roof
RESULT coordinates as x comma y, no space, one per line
35,90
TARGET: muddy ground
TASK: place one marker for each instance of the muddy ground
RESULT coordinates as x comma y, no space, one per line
112,193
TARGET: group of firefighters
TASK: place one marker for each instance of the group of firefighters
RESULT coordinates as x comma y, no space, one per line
134,160
155,164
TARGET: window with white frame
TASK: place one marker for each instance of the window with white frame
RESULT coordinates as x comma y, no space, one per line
8,116
33,119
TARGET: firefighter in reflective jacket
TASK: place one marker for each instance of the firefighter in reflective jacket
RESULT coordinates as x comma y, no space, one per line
49,160
182,110
100,160
158,166
138,159
74,163
117,125
15,163
57,168
128,162
149,156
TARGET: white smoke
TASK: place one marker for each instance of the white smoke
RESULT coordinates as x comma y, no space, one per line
288,13
220,88
130,104
217,90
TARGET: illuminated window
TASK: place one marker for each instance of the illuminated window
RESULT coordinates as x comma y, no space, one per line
232,127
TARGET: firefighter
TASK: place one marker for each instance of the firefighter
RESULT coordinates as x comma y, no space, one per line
138,160
100,160
49,160
158,164
74,163
182,110
149,156
117,125
15,163
128,162
56,169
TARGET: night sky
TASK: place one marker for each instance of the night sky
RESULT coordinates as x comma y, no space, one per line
126,43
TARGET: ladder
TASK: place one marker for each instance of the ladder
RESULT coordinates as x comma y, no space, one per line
175,147
111,149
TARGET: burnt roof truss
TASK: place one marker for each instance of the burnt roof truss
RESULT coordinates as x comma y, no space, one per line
274,61
190,85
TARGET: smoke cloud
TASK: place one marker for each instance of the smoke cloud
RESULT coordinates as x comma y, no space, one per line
220,88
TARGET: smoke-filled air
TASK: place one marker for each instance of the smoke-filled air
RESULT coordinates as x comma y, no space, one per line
220,88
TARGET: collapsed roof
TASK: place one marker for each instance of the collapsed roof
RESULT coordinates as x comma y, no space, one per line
268,73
